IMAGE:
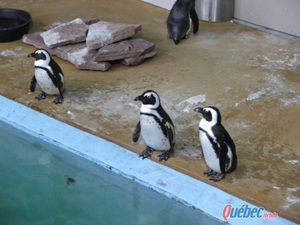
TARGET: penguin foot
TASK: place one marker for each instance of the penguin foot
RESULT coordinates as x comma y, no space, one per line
210,172
217,178
164,156
41,96
146,153
186,36
58,100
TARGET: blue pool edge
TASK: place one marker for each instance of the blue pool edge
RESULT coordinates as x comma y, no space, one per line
169,182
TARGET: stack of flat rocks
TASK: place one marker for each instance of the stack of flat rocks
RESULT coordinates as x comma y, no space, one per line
91,44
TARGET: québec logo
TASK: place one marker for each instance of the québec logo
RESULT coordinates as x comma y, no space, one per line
246,212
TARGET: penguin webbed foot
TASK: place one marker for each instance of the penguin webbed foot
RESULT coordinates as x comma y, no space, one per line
146,153
217,177
164,156
41,96
186,37
58,100
210,172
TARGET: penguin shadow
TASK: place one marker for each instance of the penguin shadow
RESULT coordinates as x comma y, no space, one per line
77,94
187,142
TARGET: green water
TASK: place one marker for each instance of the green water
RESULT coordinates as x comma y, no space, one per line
41,184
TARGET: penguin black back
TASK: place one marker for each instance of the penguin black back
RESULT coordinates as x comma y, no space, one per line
178,22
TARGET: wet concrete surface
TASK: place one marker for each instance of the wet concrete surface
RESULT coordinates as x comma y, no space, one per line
253,78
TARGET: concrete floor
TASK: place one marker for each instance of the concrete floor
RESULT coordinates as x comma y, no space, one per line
252,76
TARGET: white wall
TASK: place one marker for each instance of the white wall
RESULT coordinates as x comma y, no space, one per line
281,15
166,4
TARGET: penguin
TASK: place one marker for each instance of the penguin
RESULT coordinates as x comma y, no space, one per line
155,126
217,146
178,22
48,75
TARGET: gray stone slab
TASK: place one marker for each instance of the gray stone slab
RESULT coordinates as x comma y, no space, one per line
104,33
137,27
82,58
77,54
124,49
66,33
64,51
37,41
138,60
87,21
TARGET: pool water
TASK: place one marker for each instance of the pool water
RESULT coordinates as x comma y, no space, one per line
43,184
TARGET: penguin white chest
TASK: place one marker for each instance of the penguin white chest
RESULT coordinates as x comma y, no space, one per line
45,82
152,134
209,153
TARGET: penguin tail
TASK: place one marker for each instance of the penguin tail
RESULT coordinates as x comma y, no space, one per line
195,20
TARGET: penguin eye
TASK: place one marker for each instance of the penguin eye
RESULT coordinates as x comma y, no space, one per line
208,115
41,56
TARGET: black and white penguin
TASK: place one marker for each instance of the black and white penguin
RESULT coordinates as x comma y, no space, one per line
155,126
178,22
217,146
48,75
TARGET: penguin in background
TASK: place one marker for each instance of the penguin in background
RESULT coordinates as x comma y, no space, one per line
178,22
48,75
155,126
217,146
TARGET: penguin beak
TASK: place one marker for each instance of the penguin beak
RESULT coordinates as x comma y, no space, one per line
31,55
138,98
199,110
176,41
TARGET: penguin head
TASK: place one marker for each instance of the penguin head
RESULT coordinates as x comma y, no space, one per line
149,99
42,56
210,113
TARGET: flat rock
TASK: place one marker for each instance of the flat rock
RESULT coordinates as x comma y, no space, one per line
140,59
82,58
66,33
64,51
87,21
137,27
77,54
104,33
124,49
37,41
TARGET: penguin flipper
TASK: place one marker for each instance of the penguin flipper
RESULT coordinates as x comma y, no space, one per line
60,97
58,74
195,20
33,84
169,133
226,143
136,133
223,156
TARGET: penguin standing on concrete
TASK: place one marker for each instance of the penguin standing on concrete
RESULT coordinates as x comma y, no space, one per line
48,75
217,145
155,126
179,23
